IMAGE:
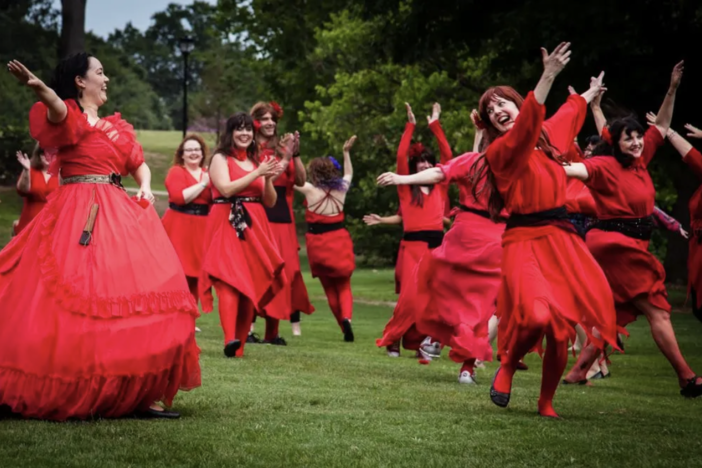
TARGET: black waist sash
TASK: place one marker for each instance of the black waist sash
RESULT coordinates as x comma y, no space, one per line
239,217
432,238
582,222
554,216
636,228
280,213
197,209
483,213
321,228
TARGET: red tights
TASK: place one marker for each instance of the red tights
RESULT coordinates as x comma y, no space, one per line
236,313
554,362
272,328
338,291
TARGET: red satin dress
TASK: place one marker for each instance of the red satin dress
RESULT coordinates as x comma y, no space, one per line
621,192
694,259
35,199
102,329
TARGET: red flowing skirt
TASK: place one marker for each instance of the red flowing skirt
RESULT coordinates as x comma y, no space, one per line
632,271
187,233
97,330
552,267
405,313
457,286
331,254
29,211
293,297
252,265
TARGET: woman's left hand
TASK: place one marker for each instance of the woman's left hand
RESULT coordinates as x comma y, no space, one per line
145,194
684,233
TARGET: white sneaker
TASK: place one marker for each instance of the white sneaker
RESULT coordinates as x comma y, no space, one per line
430,350
296,331
197,330
393,353
466,378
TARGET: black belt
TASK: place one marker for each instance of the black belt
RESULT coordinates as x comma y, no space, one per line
197,209
432,238
554,216
280,213
321,228
582,222
483,213
636,228
238,215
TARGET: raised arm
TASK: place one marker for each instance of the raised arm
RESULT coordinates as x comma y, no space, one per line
435,127
24,184
553,65
348,167
403,149
665,113
479,130
56,109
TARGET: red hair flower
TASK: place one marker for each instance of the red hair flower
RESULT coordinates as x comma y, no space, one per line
416,149
278,110
257,125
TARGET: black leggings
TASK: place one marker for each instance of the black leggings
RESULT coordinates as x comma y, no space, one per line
294,317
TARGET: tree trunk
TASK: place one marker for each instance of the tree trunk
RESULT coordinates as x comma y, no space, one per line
72,27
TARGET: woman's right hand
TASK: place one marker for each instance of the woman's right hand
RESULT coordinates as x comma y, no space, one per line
372,219
388,178
555,62
268,168
23,74
410,114
23,159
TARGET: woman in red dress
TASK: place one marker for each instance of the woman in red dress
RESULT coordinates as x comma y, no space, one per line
108,329
241,258
34,185
423,209
543,258
189,200
293,299
329,244
624,195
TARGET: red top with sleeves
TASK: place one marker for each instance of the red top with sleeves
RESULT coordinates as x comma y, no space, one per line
429,216
459,170
35,199
624,192
178,179
527,178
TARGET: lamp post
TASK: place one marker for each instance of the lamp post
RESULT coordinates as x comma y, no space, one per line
187,44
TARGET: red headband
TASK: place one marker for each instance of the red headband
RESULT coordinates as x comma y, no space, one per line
257,125
278,110
416,149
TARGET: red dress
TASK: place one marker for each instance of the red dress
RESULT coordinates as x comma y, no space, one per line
694,259
186,231
546,263
330,254
457,283
35,199
103,329
627,193
294,295
251,265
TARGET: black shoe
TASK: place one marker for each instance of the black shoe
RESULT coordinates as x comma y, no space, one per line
691,390
154,414
579,382
253,338
277,341
600,375
499,398
348,331
231,348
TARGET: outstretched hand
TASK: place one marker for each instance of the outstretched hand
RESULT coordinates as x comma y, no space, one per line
651,118
23,159
677,74
435,113
388,178
694,132
410,114
372,219
349,144
556,61
23,74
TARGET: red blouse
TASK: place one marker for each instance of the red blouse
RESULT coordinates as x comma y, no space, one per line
621,192
178,179
429,216
35,199
459,171
528,180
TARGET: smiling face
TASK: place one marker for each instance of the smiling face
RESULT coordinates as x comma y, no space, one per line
192,153
631,144
242,137
268,125
93,85
502,113
423,165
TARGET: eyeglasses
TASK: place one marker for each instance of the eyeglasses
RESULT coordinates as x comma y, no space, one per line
192,150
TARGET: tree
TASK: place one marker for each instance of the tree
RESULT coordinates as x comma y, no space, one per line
72,27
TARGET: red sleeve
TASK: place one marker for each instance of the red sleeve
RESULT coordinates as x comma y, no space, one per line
135,158
403,150
600,176
693,158
444,147
175,184
459,167
565,124
652,141
56,135
509,154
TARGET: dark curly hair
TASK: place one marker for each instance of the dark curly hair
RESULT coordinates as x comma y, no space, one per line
617,127
322,173
65,73
238,121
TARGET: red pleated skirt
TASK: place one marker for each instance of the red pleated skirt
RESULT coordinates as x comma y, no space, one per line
187,233
554,268
251,265
458,284
97,330
631,270
330,254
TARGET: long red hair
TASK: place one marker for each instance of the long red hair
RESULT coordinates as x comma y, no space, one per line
481,167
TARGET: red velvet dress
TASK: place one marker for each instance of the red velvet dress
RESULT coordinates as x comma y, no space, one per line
621,192
103,329
457,283
694,260
545,264
35,199
415,218
251,265
186,231
293,297
330,254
